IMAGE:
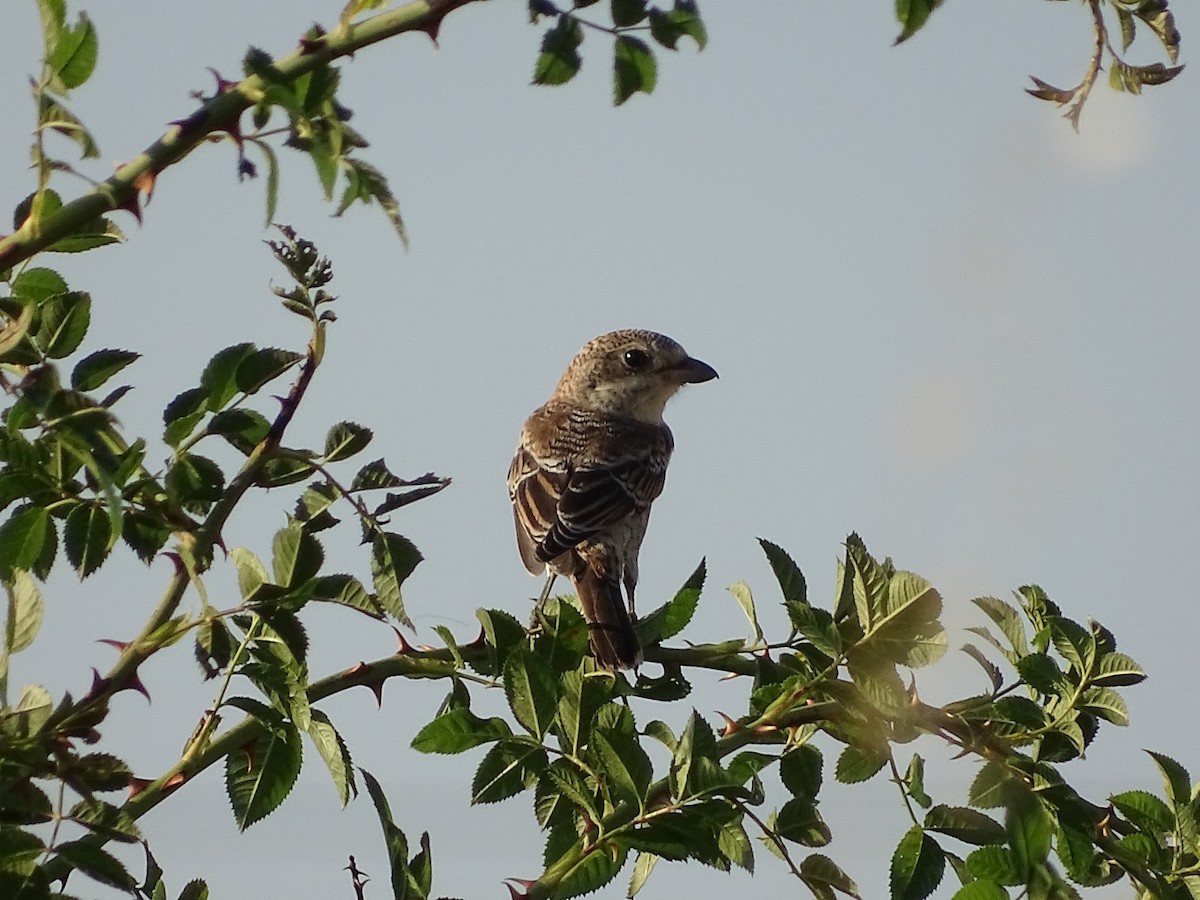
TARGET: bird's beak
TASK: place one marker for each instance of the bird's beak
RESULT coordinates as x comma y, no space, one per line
694,371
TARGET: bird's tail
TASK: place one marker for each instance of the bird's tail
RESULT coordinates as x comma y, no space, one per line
614,642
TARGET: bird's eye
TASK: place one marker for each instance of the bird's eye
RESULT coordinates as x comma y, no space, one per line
636,359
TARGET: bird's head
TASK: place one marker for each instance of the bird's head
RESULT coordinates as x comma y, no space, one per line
630,372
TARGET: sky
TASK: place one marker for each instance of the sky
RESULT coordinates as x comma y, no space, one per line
942,319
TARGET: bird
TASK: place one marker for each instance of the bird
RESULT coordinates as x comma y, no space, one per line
589,463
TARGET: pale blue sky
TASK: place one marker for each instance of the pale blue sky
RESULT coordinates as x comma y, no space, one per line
941,319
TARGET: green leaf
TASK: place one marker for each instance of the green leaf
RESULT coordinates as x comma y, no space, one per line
96,863
912,15
627,12
745,600
559,60
857,764
397,843
820,873
1107,704
196,889
144,534
365,183
799,821
592,872
734,843
260,777
532,691
296,556
1117,670
989,667
992,786
507,769
346,590
73,58
623,766
1041,672
634,68
1175,776
1145,811
374,475
917,866
262,367
967,825
345,439
195,482
1076,644
88,536
335,753
63,323
667,27
245,429
23,538
36,285
1030,828
25,611
459,730
218,381
981,890
1162,22
674,615
1008,620
914,781
800,771
110,822
182,415
96,368
995,863
393,559
642,868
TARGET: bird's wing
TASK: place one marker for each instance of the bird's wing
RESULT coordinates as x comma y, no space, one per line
534,491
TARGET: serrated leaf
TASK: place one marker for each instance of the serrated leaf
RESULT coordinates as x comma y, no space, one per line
345,439
1030,828
1107,704
23,537
559,60
1144,810
634,68
745,601
459,730
914,781
110,822
668,26
373,475
912,16
397,843
96,368
182,415
532,691
195,482
801,822
88,536
674,615
1175,776
1117,670
245,429
989,667
918,864
980,890
73,57
1008,620
346,590
623,766
335,753
63,322
262,367
507,769
592,872
995,863
642,868
218,381
393,558
296,556
857,764
800,771
24,618
820,872
258,778
965,824
96,863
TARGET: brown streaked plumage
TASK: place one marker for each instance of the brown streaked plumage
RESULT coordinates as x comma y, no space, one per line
589,464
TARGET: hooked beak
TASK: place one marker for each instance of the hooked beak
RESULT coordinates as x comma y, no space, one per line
694,371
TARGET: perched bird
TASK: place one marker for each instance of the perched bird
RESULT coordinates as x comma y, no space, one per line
589,464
